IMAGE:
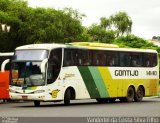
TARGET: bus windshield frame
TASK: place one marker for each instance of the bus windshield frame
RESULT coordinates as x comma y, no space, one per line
28,61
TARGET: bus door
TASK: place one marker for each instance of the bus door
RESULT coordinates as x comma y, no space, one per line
4,85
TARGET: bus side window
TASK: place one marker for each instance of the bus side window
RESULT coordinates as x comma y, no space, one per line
85,56
95,60
75,56
102,58
81,57
112,58
68,60
136,59
124,59
150,59
154,63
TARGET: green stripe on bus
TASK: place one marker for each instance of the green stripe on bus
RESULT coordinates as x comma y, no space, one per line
99,82
89,82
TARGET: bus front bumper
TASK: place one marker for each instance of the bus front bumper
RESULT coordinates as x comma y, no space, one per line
38,96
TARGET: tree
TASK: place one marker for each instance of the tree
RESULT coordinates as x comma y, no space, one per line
122,23
105,23
38,25
101,34
135,42
111,28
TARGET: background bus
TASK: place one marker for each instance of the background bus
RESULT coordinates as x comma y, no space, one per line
54,72
5,76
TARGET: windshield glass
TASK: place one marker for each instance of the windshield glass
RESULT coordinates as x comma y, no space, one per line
32,55
27,73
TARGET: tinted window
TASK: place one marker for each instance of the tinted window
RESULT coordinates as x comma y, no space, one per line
150,59
125,59
54,65
79,57
74,57
131,59
136,59
112,58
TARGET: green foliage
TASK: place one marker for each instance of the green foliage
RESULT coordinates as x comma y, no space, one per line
105,23
135,42
122,22
104,31
100,34
38,25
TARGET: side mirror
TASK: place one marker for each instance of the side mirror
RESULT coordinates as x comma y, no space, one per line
43,65
4,65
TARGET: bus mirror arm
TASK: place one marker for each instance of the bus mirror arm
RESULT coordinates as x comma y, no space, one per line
4,65
43,64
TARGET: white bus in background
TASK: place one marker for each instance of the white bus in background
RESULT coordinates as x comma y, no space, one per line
4,56
5,75
58,72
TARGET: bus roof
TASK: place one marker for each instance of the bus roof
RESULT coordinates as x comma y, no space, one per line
40,46
94,46
7,54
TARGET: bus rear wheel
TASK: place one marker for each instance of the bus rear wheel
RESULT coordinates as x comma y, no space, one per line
130,94
36,103
67,97
139,94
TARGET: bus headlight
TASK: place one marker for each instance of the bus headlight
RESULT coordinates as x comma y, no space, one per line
39,91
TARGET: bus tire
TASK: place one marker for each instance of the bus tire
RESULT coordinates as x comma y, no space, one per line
36,103
139,94
130,94
67,97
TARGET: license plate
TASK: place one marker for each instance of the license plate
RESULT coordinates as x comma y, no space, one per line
24,97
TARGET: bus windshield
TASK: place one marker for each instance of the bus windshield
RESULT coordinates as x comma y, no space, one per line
27,73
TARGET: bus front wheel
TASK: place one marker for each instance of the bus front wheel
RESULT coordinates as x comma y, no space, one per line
67,97
139,94
36,103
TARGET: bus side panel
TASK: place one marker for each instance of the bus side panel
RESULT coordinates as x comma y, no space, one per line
158,88
150,86
110,83
99,82
4,85
153,87
134,77
89,81
71,77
